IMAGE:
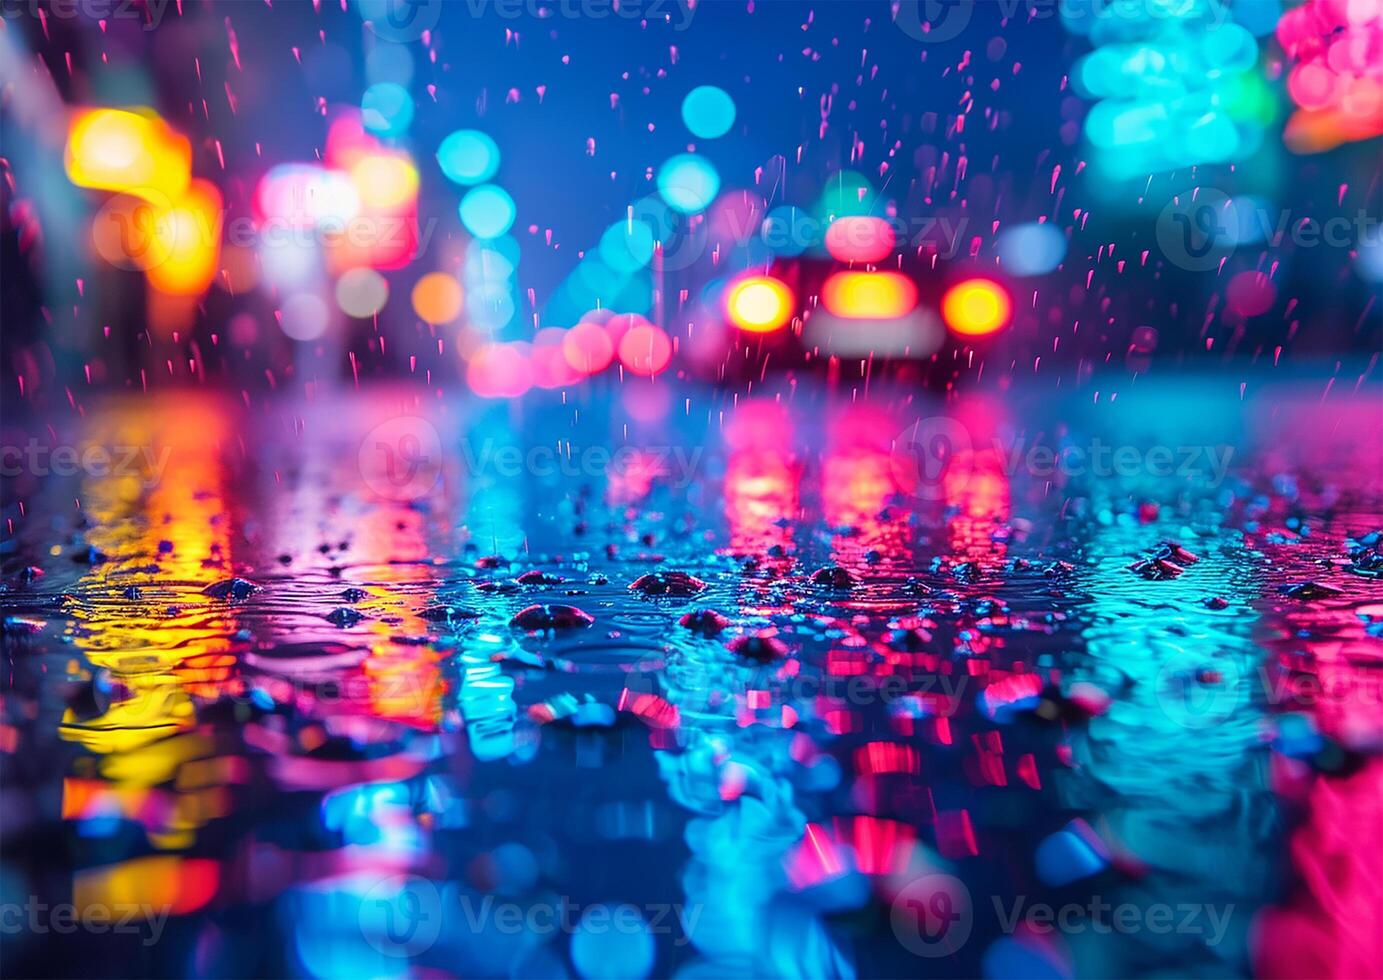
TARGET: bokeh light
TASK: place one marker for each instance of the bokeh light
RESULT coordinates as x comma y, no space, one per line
386,109
437,298
302,195
759,304
588,348
627,246
976,307
361,292
709,112
185,244
115,150
389,63
612,954
1176,88
688,183
304,316
500,370
1031,249
846,193
787,230
385,180
468,157
1337,76
869,295
645,349
487,211
1250,293
549,362
858,238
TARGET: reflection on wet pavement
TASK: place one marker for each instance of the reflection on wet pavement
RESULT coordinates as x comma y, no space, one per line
909,688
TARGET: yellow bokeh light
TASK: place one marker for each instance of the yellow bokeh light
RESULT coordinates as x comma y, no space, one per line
437,298
976,307
869,295
385,181
759,304
116,150
185,242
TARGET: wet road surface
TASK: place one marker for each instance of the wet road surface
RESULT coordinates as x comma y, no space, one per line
656,682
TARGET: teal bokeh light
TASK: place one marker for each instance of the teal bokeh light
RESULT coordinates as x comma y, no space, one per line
627,246
487,211
688,183
468,156
386,109
709,112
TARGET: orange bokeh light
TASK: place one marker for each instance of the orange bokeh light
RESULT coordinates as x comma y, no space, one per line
869,295
976,307
759,304
437,298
